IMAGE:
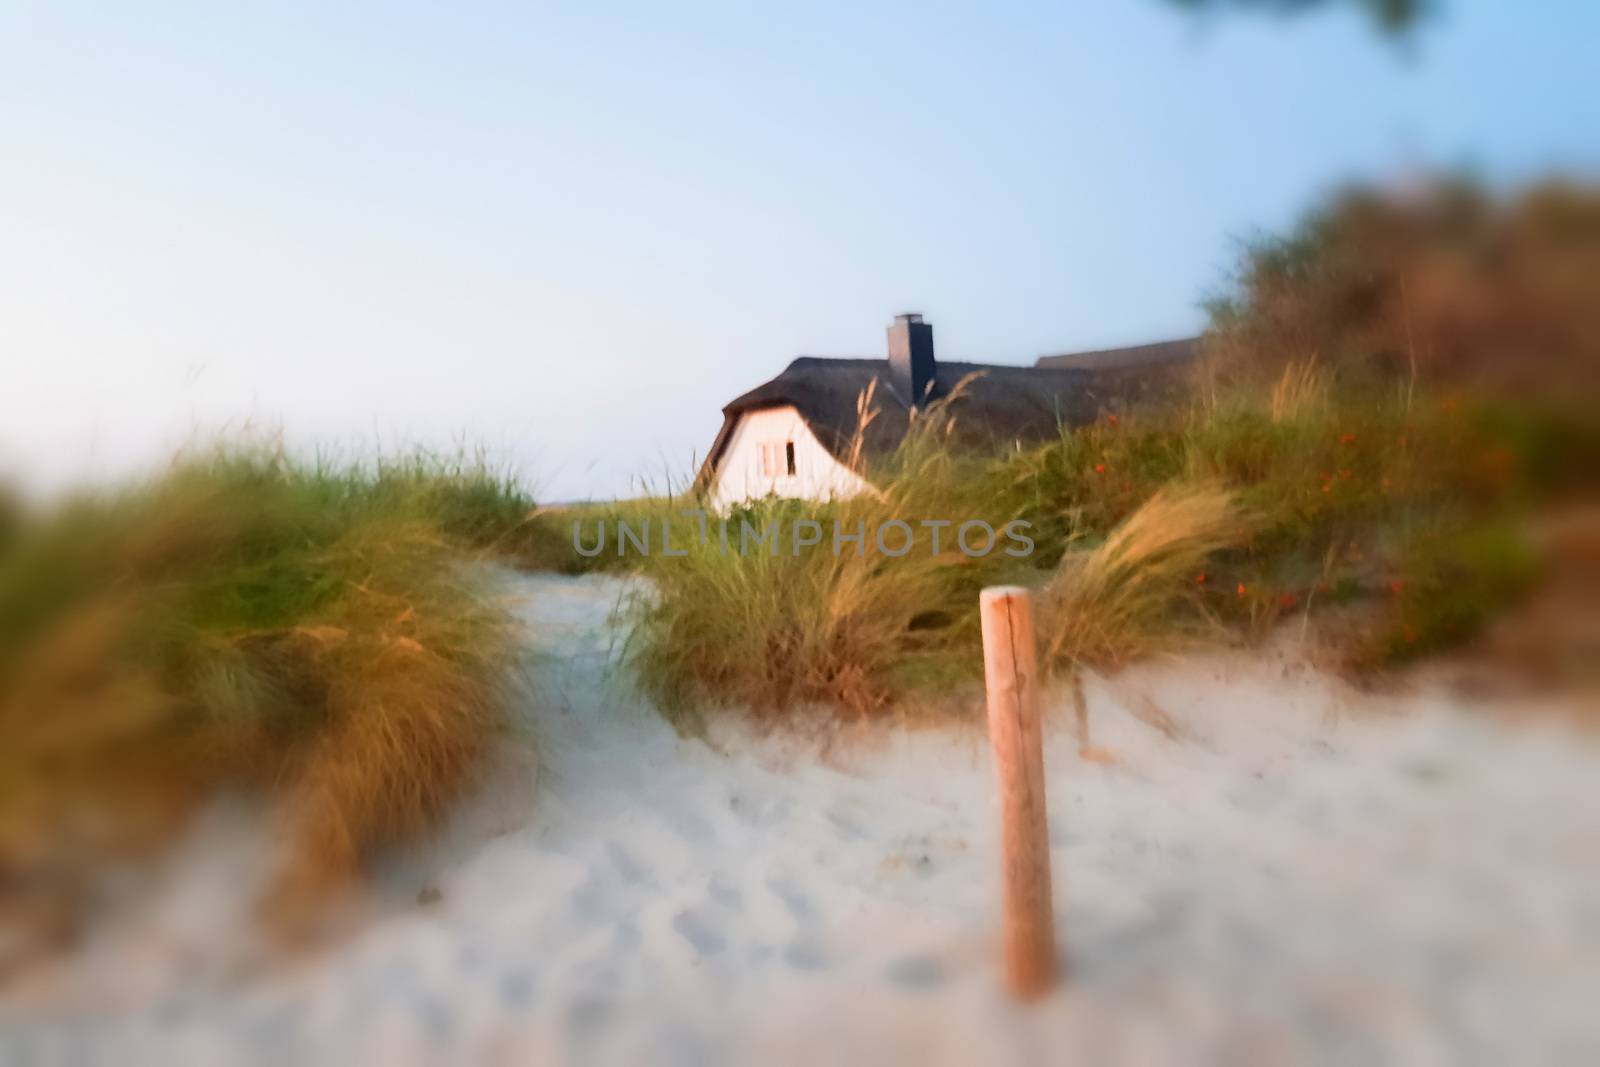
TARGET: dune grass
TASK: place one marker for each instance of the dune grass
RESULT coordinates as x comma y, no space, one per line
1363,499
779,627
1388,396
245,622
774,631
1133,594
872,627
1215,520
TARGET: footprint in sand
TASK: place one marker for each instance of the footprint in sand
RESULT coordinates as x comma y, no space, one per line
725,894
846,828
689,826
702,937
760,812
627,937
806,954
588,1016
589,901
793,898
516,990
916,972
629,871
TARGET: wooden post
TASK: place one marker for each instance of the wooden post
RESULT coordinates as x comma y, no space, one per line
1010,672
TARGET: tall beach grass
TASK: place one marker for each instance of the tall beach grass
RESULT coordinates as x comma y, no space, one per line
244,622
850,626
1152,529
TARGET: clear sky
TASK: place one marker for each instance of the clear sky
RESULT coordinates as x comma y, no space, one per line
571,232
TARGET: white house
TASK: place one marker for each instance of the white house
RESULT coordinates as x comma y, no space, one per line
772,451
795,435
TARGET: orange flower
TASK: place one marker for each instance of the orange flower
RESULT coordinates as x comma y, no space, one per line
1099,468
1287,600
1347,439
1396,586
1112,419
1200,579
1241,589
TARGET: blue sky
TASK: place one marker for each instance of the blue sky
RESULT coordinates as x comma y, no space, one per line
570,233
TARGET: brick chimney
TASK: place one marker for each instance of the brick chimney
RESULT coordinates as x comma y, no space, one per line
911,368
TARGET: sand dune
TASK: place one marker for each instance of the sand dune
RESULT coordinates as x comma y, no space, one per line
1309,875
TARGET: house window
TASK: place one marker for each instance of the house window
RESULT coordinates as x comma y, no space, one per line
777,459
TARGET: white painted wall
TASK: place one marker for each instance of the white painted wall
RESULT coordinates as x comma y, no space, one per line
817,476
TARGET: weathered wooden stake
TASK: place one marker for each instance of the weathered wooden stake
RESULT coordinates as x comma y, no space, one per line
1011,677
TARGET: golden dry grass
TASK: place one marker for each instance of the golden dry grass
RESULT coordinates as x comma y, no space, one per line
1299,390
773,632
241,624
1134,593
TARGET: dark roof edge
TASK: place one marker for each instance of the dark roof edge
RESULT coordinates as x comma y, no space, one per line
708,467
781,391
1127,357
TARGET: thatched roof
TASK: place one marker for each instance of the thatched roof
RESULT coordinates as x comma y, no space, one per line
1001,405
1144,357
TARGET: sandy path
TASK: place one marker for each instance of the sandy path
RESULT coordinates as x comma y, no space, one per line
1313,876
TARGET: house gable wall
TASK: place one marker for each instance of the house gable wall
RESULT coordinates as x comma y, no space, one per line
817,476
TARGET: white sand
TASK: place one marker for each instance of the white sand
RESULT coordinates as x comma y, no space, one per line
1314,876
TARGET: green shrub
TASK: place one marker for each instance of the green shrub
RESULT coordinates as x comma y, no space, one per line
1456,578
